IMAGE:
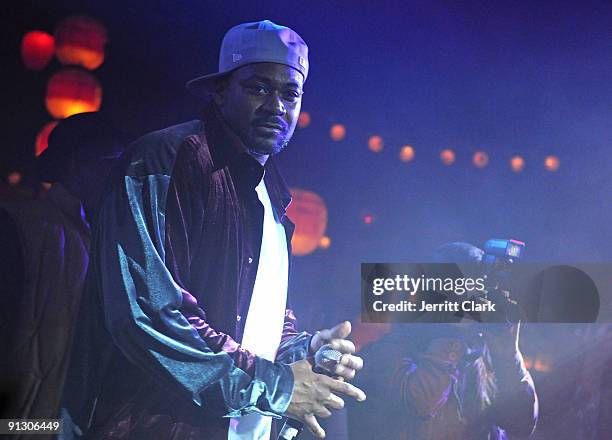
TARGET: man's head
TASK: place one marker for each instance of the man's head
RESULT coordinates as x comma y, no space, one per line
261,103
81,152
258,89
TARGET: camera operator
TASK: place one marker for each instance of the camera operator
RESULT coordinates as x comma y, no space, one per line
446,381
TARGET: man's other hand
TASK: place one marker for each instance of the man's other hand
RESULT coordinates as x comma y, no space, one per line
314,395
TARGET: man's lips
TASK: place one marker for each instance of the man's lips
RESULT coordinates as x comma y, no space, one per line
270,127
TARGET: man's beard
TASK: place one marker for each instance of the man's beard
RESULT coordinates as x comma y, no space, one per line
262,149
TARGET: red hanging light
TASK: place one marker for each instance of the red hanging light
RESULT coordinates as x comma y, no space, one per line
480,159
37,49
376,144
42,139
303,120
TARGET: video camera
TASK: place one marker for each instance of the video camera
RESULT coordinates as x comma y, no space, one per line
499,256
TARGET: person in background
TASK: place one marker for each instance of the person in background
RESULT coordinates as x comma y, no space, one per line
438,381
45,243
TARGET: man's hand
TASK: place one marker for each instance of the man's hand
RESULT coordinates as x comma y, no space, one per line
314,395
336,338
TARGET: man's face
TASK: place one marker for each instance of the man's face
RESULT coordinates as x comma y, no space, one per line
261,104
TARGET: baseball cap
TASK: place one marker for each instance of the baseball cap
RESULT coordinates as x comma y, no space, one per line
256,42
84,136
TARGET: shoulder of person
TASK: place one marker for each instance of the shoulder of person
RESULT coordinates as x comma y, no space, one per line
155,152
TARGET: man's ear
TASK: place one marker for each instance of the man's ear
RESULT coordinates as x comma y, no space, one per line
220,88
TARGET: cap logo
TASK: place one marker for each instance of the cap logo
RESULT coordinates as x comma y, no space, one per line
236,57
302,61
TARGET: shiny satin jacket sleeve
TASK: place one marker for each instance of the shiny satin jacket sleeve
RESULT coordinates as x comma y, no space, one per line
155,322
294,345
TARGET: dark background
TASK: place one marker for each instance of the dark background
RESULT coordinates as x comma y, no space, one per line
504,77
528,78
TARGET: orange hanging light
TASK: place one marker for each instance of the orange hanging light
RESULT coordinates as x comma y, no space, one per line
72,91
376,143
309,213
337,132
406,153
37,49
552,163
517,163
447,157
42,139
80,41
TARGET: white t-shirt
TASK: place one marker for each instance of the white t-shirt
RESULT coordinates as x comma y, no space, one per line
264,323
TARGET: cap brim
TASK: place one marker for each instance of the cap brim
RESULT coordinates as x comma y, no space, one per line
204,84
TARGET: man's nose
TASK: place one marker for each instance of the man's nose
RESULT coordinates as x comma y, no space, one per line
274,104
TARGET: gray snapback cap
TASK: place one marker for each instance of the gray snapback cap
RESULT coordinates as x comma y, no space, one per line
257,42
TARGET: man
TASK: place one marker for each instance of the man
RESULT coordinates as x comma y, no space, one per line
190,267
45,243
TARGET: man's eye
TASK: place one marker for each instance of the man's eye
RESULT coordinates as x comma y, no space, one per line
258,90
291,96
